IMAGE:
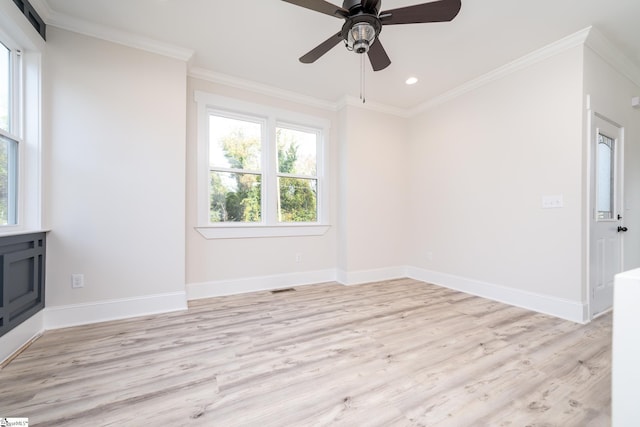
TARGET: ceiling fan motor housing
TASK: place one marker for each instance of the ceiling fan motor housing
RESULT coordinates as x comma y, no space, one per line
352,4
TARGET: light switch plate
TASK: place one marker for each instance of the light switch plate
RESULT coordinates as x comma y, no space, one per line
552,201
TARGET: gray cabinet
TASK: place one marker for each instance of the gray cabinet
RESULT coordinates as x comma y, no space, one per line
22,263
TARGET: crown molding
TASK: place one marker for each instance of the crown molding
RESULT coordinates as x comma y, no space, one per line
111,34
534,57
352,101
43,9
586,37
613,55
263,89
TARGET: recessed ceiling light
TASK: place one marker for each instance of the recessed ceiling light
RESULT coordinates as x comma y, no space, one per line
411,80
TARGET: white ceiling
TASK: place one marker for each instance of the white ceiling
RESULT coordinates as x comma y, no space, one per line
261,40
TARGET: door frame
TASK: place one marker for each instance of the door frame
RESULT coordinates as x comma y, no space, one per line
592,130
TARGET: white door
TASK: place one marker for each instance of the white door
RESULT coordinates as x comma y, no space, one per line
607,223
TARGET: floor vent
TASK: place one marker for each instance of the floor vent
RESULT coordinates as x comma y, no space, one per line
279,291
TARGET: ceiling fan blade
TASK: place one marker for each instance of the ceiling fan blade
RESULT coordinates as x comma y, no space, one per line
321,49
321,6
378,56
437,11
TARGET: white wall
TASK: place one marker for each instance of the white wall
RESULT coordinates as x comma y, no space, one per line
373,185
221,266
456,190
611,93
115,139
479,166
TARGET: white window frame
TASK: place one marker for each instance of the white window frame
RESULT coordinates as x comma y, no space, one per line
207,104
24,41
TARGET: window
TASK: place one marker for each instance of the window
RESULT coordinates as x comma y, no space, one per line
10,85
261,170
20,117
605,173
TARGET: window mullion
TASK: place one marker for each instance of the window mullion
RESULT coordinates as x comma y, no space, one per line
234,170
271,176
292,175
320,176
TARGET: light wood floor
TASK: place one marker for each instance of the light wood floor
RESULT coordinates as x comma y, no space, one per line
397,353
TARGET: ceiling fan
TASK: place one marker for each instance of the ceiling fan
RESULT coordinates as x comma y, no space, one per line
364,21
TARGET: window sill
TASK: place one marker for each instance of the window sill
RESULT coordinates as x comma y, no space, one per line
6,231
258,231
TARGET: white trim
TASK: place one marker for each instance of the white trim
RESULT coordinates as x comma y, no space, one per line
230,232
11,231
541,54
589,36
559,307
12,22
374,106
613,56
43,9
256,284
103,32
263,89
104,311
19,336
368,276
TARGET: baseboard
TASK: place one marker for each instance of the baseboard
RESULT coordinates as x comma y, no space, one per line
82,314
255,284
565,309
368,276
104,311
14,340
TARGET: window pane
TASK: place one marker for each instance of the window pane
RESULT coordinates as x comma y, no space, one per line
5,86
296,152
235,197
298,200
234,143
605,177
8,181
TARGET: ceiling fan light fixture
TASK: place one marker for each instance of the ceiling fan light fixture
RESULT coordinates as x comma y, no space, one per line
361,36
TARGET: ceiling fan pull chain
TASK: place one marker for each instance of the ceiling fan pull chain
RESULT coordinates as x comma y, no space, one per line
362,82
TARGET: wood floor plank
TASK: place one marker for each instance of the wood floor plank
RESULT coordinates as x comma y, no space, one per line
393,353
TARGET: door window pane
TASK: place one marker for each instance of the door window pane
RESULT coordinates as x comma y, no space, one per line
605,177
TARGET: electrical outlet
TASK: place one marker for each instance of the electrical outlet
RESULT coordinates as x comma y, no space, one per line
298,257
77,281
